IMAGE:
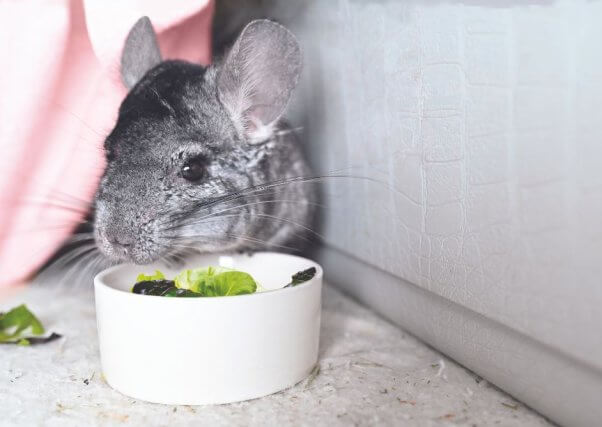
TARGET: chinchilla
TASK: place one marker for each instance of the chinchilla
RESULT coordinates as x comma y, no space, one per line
199,158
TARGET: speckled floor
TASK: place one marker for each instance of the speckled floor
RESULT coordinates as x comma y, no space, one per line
370,373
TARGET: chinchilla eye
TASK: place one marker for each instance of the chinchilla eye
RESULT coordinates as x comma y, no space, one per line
194,169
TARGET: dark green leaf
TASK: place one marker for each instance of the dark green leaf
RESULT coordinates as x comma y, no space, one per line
34,340
302,276
153,287
163,288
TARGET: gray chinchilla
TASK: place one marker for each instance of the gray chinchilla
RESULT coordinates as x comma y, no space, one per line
198,158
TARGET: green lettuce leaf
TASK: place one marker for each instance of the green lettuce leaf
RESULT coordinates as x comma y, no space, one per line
216,281
231,283
17,322
143,277
17,326
197,279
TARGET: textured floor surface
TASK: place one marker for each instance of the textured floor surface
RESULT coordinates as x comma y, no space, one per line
370,373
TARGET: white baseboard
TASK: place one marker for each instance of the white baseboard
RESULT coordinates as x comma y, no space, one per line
559,387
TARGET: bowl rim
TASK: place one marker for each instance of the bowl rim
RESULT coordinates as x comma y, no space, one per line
100,283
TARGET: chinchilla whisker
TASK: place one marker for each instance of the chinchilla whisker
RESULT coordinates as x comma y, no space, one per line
180,246
77,241
207,220
74,273
178,222
289,221
53,204
97,263
261,188
72,269
46,229
190,225
50,227
82,268
188,238
57,194
72,249
244,205
264,189
263,216
242,238
266,243
255,203
175,255
172,259
267,217
178,257
92,267
64,260
75,116
299,180
69,198
72,254
79,238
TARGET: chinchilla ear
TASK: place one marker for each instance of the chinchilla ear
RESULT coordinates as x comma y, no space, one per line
140,52
257,77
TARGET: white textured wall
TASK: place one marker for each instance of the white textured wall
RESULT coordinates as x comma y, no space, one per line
486,122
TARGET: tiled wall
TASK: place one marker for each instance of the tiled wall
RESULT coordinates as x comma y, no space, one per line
483,126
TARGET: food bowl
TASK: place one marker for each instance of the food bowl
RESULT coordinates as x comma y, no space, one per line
209,350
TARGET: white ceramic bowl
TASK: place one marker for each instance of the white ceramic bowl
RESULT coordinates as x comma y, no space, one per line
197,351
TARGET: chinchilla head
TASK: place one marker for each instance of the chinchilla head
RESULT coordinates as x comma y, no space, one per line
185,137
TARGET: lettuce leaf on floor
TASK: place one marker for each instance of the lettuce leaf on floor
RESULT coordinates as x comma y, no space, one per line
19,324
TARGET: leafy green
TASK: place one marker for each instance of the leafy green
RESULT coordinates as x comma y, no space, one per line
197,279
302,276
216,281
231,283
207,282
197,282
144,278
162,288
153,287
17,326
17,322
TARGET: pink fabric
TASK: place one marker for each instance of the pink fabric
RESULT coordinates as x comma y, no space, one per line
60,91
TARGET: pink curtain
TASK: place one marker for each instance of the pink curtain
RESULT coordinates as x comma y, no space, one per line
60,90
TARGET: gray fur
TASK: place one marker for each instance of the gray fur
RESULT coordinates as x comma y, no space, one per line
145,209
